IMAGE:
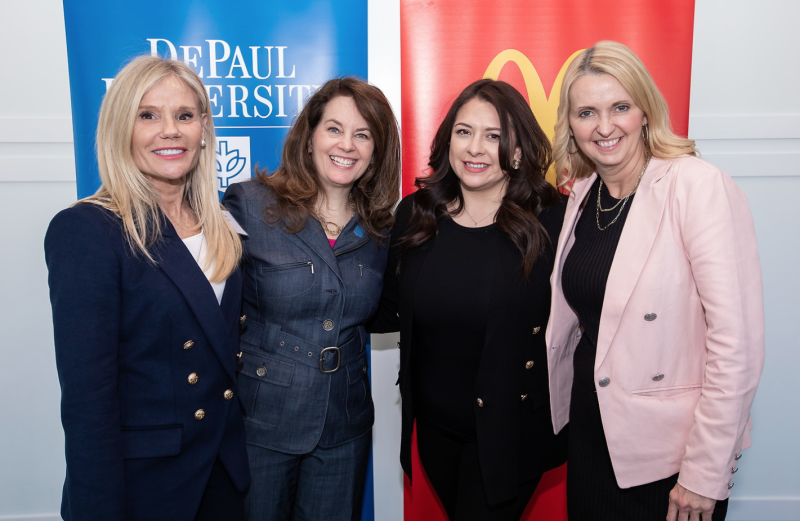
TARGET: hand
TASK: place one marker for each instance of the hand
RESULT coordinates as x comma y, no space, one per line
685,505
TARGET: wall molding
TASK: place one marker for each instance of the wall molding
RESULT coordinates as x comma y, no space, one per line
752,126
39,517
755,126
32,169
755,164
764,509
745,155
35,130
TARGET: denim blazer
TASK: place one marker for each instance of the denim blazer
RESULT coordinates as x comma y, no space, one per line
303,300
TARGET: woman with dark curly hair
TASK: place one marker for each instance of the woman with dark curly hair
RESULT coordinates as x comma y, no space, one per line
467,286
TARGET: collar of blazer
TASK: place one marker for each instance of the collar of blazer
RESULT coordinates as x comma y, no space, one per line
177,263
641,227
313,237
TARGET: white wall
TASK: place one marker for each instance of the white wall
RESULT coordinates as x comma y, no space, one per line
744,103
744,114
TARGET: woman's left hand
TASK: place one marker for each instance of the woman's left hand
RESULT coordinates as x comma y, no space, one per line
685,505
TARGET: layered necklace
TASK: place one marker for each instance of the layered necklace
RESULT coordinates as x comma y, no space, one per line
334,229
621,202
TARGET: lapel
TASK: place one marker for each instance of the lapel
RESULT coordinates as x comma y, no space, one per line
573,211
178,264
559,309
634,247
313,237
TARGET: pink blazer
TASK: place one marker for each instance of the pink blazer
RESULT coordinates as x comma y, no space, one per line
681,337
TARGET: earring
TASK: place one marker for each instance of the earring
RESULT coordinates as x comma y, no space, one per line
203,143
515,164
646,135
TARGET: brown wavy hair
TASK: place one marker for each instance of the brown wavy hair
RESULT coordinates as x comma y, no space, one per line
527,192
295,183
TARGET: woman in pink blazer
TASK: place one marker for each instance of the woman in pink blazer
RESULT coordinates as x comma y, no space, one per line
656,334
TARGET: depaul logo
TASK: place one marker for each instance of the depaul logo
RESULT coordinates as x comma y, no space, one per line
233,160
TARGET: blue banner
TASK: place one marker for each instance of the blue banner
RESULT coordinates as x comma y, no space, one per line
259,60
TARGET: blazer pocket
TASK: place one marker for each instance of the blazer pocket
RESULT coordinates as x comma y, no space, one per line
286,280
668,392
263,382
151,441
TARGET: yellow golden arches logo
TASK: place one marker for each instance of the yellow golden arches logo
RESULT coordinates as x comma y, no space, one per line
543,106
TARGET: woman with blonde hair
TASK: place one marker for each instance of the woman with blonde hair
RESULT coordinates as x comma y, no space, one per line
146,290
656,334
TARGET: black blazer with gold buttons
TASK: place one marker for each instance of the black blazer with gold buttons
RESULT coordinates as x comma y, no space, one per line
510,428
146,359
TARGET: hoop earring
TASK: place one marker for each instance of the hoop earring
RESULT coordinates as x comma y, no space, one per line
516,163
571,141
646,135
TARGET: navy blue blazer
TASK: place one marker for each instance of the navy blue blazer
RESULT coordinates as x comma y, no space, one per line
146,358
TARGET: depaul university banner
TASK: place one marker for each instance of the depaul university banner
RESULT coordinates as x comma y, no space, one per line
258,59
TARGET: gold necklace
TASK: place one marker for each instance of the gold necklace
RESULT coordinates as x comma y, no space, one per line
336,228
621,201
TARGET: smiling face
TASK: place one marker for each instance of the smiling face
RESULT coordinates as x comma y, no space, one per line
167,132
606,123
341,145
475,147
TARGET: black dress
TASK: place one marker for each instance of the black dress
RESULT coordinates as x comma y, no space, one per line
487,392
451,302
592,491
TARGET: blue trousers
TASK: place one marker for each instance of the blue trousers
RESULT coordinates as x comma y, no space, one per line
324,484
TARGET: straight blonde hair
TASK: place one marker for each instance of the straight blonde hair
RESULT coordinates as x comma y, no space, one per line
130,195
619,61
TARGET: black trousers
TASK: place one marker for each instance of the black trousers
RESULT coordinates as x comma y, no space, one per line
221,501
592,491
454,471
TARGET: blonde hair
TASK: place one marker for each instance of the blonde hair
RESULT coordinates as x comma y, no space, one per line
129,193
617,60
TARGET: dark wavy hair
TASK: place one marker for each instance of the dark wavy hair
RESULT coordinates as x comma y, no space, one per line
527,192
295,183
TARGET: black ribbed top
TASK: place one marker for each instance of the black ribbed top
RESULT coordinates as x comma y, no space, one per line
589,261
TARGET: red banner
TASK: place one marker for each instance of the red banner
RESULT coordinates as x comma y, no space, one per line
448,44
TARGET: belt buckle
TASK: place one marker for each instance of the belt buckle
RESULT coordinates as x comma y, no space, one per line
322,360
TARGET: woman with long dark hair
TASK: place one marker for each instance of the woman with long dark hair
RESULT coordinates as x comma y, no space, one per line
467,286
